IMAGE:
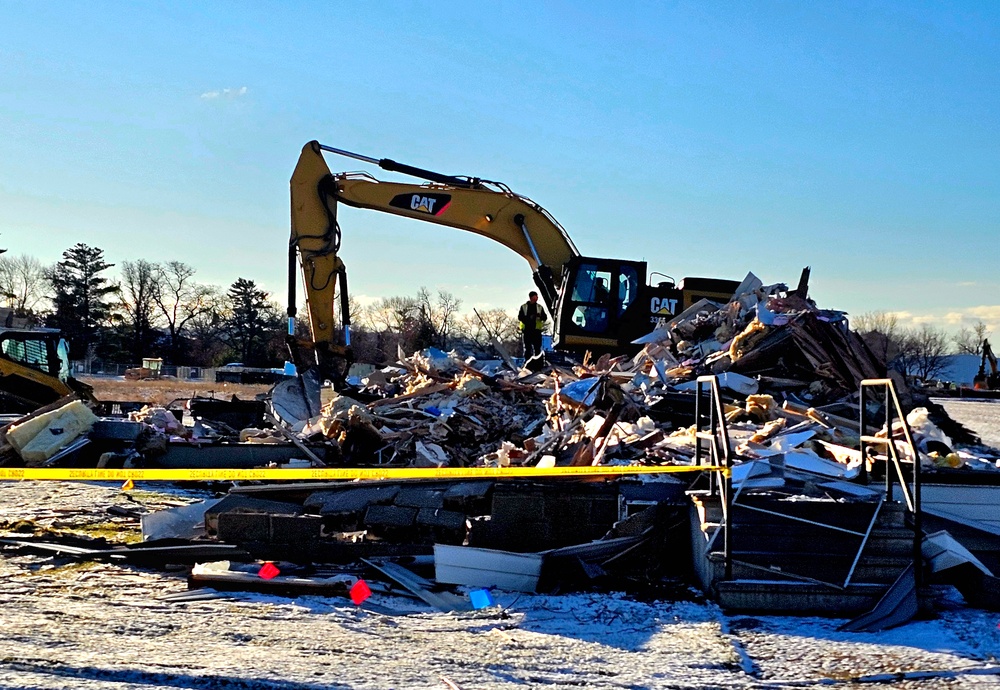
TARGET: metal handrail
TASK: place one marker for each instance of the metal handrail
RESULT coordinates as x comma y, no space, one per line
721,453
911,494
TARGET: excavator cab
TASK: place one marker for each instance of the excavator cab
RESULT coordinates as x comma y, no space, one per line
599,303
605,304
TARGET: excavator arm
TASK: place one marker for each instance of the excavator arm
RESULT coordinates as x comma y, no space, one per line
313,250
984,380
485,208
989,356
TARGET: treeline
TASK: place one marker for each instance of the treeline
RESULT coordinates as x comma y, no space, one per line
919,352
160,310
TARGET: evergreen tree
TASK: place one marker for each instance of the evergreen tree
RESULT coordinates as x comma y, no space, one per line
252,322
80,296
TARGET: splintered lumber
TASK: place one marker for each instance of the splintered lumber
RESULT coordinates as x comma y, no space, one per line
429,389
294,439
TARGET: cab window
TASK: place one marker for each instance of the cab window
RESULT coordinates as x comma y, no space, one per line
33,353
592,285
62,351
628,288
591,290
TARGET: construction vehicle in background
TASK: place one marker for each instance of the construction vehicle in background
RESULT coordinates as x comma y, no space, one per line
151,370
987,381
599,305
34,370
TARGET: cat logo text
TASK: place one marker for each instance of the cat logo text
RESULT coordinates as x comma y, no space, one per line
431,204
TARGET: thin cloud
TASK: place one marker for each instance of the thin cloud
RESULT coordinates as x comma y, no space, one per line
986,312
967,283
365,300
228,94
954,319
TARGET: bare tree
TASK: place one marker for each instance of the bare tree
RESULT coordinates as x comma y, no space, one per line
394,314
180,299
138,304
206,330
970,340
22,283
498,324
441,315
924,353
882,333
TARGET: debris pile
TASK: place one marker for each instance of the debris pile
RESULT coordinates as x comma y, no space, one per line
784,367
774,334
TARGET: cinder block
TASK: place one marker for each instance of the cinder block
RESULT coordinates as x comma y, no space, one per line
287,529
563,510
350,501
241,528
489,533
604,512
462,492
440,518
390,516
420,497
512,507
236,503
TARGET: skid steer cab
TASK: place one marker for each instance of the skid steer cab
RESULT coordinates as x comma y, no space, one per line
605,304
34,369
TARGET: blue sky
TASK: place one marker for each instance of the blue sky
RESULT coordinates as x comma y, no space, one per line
708,138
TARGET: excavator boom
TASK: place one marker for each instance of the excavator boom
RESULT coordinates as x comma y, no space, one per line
497,213
484,208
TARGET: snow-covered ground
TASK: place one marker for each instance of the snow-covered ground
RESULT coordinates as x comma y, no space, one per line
982,416
105,626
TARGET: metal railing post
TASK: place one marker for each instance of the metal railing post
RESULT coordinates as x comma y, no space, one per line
697,431
723,486
910,490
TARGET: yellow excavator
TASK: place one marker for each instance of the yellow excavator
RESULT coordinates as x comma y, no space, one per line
990,381
598,305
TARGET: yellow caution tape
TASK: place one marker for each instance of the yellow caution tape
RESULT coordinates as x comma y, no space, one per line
328,473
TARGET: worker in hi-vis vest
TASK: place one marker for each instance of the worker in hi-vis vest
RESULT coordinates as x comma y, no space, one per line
531,320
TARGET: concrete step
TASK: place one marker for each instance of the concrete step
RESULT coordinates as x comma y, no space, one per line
797,598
